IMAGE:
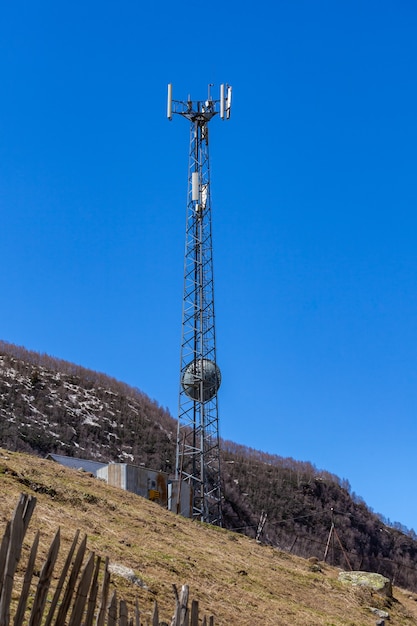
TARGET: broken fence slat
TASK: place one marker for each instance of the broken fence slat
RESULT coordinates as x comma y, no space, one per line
21,607
137,613
29,507
92,598
3,553
184,616
123,614
181,609
44,582
69,591
104,594
194,613
112,610
155,615
82,592
17,533
61,580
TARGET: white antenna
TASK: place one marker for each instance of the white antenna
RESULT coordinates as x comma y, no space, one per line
201,110
169,104
229,101
222,101
195,195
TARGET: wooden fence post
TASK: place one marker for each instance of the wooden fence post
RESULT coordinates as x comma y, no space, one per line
3,553
181,609
18,527
92,598
44,582
123,614
194,613
61,580
69,591
112,610
104,594
20,612
137,614
155,616
82,592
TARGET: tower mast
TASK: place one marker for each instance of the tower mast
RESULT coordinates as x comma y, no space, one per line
198,447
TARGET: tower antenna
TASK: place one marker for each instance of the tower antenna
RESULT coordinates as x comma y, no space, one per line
198,442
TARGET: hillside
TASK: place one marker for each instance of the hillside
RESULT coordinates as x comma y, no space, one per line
49,405
234,578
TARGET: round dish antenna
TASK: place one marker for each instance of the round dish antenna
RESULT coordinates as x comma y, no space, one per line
201,380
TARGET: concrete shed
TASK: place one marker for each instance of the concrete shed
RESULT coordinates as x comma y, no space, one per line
144,482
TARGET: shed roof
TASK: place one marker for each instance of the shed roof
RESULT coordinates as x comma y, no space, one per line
76,463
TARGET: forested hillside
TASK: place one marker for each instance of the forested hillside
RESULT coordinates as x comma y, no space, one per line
49,405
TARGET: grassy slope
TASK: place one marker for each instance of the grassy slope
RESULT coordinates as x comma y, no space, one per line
235,579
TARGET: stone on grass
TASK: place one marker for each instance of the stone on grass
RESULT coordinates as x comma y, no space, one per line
379,612
376,582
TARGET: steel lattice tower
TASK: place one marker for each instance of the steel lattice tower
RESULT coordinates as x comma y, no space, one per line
198,449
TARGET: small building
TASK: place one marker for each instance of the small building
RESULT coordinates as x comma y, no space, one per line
172,494
144,482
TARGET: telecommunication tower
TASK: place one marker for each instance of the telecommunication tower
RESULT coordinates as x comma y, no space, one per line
198,447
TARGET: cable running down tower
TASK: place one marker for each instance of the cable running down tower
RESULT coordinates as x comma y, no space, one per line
198,450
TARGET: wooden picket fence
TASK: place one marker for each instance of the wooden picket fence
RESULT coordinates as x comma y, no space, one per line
77,599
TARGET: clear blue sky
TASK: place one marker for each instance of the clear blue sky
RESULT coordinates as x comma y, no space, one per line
314,214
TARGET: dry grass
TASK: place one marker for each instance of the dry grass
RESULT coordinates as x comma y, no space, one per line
235,579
